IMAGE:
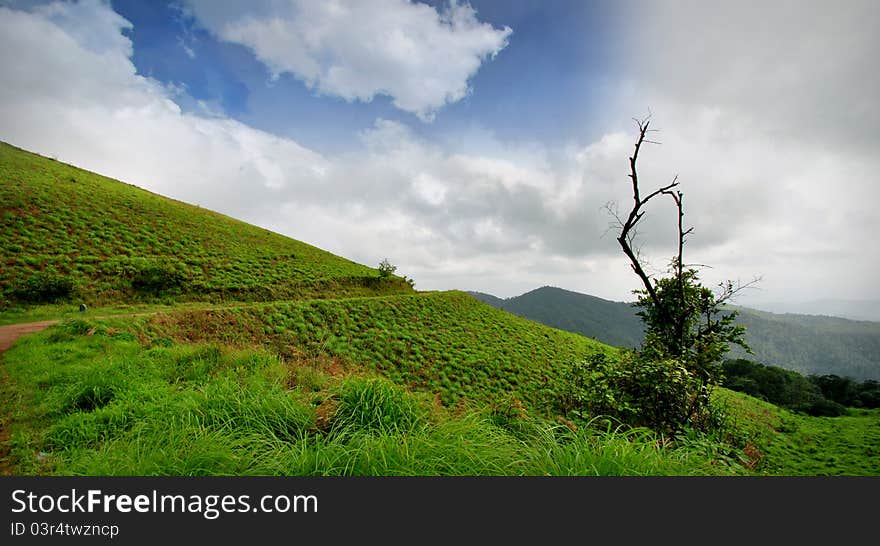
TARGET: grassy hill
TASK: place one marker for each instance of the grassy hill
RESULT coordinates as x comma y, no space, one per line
445,342
66,233
113,397
306,363
803,343
88,398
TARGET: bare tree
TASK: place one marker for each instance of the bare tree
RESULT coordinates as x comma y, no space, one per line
676,310
628,227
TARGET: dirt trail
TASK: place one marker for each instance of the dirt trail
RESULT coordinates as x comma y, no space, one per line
8,334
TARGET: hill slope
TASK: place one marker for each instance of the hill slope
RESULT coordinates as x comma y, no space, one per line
806,344
441,342
119,243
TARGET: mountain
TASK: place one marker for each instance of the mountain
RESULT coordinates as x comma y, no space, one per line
812,344
803,343
849,309
611,322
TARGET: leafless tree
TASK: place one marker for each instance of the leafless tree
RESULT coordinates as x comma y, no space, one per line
676,318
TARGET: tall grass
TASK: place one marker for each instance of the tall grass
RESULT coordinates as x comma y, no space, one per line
101,404
445,342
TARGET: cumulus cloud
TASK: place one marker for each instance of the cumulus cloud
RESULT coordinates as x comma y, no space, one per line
69,90
421,57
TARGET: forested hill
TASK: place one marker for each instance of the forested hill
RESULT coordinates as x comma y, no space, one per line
611,322
809,344
813,344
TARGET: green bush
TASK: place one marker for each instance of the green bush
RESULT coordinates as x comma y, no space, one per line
158,277
826,395
870,395
386,269
636,390
45,287
826,408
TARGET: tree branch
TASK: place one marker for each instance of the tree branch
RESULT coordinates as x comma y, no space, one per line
636,214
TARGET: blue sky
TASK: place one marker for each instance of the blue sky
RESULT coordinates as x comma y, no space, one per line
478,145
547,84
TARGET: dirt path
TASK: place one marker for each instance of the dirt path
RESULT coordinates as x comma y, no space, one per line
8,334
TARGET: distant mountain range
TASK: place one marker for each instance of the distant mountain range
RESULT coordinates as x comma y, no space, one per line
853,310
808,344
611,322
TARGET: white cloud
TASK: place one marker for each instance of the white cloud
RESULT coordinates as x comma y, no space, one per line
769,116
358,49
68,94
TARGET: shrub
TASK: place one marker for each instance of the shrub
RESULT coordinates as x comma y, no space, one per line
826,395
157,277
869,397
386,269
45,287
826,408
635,389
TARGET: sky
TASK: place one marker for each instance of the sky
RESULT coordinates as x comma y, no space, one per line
480,146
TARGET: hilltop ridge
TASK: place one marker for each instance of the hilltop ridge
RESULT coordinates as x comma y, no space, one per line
614,323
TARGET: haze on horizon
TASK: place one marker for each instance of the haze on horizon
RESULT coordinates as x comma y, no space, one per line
475,145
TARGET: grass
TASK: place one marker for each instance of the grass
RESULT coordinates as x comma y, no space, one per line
100,397
445,342
120,244
89,400
781,442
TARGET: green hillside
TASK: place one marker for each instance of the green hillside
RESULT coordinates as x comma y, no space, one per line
445,342
112,397
70,234
86,398
803,343
273,357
